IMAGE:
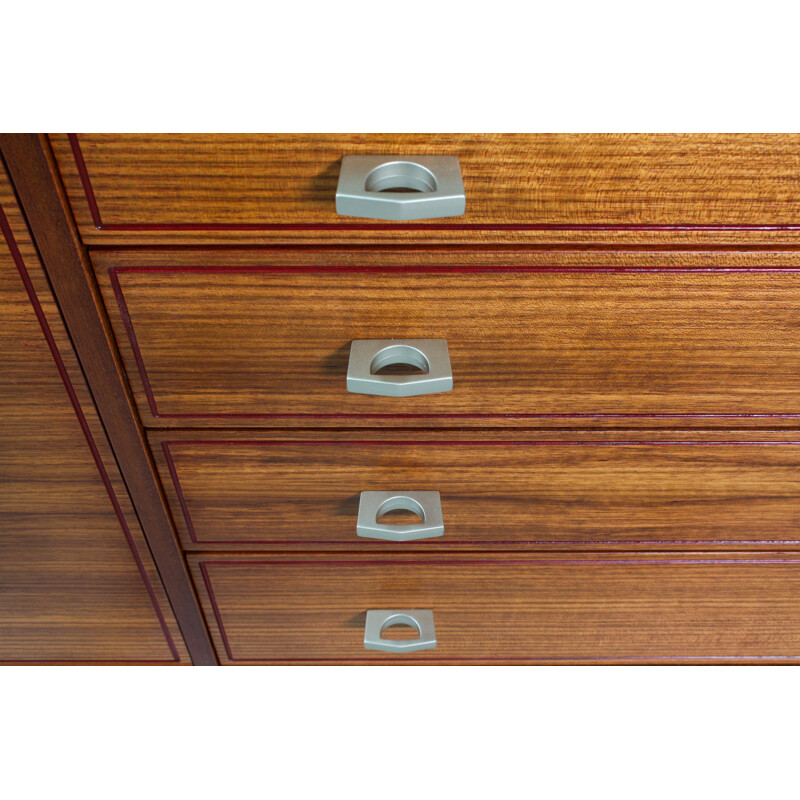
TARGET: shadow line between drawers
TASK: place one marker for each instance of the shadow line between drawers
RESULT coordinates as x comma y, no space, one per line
184,506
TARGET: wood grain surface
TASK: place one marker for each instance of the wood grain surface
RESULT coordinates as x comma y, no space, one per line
575,609
596,281
77,582
262,187
262,338
581,490
36,181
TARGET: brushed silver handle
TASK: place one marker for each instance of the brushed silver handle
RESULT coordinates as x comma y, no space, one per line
365,184
373,505
369,356
380,619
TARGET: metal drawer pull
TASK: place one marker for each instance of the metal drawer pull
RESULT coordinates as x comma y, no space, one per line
379,620
373,505
369,356
365,184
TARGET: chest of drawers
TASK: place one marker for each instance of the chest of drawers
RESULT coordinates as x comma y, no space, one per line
611,476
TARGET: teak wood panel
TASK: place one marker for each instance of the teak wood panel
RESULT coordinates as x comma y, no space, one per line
576,491
224,187
266,340
507,610
77,583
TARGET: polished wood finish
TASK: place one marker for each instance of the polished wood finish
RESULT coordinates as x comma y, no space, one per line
77,582
281,187
577,490
261,338
624,307
540,609
35,179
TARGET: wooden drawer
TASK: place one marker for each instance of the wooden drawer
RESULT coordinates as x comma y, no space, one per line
492,610
263,338
237,187
499,491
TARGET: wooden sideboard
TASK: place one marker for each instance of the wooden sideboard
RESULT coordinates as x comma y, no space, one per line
617,461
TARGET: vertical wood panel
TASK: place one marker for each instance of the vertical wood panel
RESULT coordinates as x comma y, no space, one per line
77,583
35,178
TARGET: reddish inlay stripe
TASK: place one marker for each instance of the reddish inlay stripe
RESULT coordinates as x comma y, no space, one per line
137,353
86,183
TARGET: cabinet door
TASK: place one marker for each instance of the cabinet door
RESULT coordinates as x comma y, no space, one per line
77,583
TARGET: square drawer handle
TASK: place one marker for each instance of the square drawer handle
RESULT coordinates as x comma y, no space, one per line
380,619
373,505
369,356
432,187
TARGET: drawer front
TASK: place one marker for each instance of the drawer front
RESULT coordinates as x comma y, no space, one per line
604,609
156,185
262,344
238,490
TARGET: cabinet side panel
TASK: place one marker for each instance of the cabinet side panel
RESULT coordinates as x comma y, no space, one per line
77,583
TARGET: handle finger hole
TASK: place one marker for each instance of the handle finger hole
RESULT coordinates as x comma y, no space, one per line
400,511
400,176
400,354
401,627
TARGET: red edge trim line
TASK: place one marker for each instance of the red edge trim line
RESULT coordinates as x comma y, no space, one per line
217,615
86,182
40,316
127,322
184,506
449,562
137,353
94,210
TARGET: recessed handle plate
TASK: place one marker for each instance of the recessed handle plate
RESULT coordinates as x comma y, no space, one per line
380,619
433,187
372,505
369,356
